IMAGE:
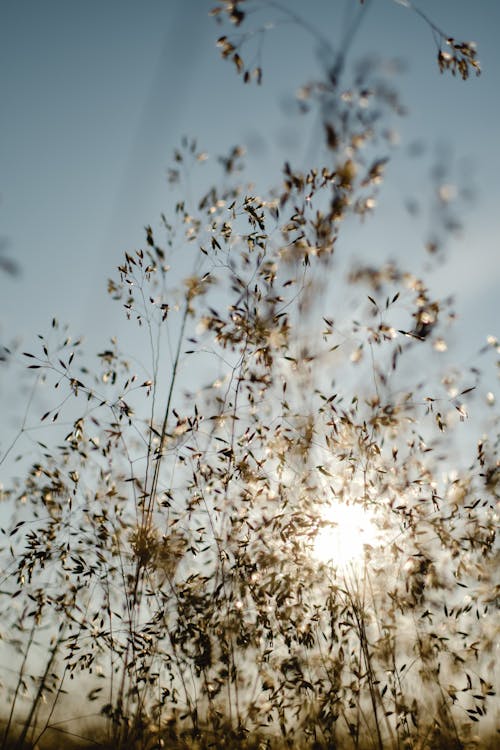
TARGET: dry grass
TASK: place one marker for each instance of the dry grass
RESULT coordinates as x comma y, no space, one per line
160,563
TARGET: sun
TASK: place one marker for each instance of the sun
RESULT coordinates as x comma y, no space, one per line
341,541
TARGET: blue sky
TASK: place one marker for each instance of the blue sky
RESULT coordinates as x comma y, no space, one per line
95,96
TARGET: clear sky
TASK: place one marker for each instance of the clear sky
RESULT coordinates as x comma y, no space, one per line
95,95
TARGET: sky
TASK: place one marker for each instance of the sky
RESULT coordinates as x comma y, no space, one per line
95,96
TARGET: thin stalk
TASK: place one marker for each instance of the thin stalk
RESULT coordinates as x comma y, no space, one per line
35,704
36,740
18,685
357,607
163,431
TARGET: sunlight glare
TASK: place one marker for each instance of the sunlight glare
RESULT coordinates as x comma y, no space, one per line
343,542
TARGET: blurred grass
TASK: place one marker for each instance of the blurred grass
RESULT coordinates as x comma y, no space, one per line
93,739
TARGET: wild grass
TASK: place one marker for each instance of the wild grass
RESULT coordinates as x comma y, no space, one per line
162,582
